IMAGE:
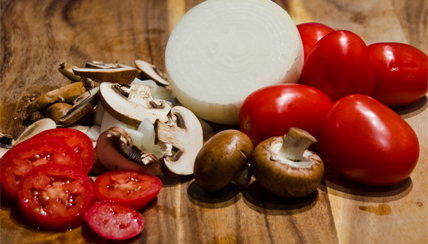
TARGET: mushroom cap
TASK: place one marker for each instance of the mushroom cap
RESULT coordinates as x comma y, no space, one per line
82,106
150,71
121,74
221,158
57,111
283,179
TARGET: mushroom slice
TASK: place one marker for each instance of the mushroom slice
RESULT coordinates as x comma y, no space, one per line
82,106
67,70
123,74
57,111
132,103
35,128
64,94
102,65
150,71
183,138
115,150
285,168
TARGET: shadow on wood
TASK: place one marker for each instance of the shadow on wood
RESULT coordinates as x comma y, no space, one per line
263,202
221,199
413,109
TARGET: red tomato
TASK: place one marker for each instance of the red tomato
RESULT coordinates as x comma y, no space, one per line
311,33
55,197
30,153
79,141
114,221
339,65
368,142
131,188
272,110
401,73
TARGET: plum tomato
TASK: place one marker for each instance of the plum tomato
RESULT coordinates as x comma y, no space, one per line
311,33
30,153
401,73
128,187
79,141
339,65
55,197
272,110
114,221
368,142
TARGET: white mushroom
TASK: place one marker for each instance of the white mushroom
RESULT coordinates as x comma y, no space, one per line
183,138
132,103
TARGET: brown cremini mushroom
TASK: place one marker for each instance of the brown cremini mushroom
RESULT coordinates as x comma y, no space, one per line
285,168
82,106
115,150
151,72
67,70
224,158
104,72
57,111
182,138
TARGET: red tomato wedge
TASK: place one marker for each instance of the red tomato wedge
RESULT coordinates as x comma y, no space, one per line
114,221
79,141
131,188
31,153
55,197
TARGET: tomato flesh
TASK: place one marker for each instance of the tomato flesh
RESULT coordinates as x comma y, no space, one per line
55,197
114,221
31,153
79,141
368,142
131,188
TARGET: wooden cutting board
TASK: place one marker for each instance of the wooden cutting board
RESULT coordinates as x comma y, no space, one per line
36,36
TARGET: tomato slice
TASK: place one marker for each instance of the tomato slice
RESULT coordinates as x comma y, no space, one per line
55,197
30,153
114,221
131,188
79,141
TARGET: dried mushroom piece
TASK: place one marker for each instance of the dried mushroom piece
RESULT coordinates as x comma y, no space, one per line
132,103
115,150
82,106
67,70
150,71
182,137
101,72
64,94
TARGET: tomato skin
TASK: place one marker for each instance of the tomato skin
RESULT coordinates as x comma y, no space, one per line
272,110
66,203
401,73
339,65
79,141
114,221
311,33
128,187
15,162
368,142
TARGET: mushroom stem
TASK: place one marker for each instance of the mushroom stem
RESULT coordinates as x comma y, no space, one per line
295,144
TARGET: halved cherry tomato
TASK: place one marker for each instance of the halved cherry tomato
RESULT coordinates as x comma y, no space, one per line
30,153
79,141
339,65
131,188
114,221
272,110
311,33
368,142
401,73
55,197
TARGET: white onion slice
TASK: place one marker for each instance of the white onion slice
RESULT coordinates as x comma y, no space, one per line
148,141
94,132
223,50
109,121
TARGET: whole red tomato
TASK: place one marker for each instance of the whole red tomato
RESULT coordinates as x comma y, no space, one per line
368,142
311,33
272,110
401,73
339,65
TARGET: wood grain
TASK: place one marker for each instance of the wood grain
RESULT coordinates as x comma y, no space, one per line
36,36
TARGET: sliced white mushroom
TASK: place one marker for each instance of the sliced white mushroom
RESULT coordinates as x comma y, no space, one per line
116,150
182,137
132,103
35,128
150,71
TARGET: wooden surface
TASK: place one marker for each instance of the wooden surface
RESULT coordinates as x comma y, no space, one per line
36,36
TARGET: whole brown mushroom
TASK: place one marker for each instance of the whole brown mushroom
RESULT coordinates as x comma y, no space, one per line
285,168
224,158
